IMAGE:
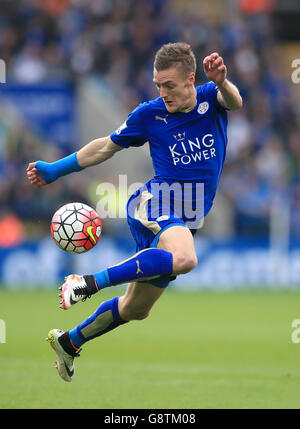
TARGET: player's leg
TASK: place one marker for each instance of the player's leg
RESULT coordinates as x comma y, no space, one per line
134,305
67,344
179,241
140,297
146,264
175,254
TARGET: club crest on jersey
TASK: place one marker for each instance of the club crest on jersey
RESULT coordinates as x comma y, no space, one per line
203,108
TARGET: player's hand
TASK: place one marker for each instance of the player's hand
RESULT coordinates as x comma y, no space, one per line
33,175
215,68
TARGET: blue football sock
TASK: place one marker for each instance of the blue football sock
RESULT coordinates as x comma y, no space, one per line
105,318
144,265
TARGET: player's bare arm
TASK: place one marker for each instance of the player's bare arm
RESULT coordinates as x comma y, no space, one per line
216,71
95,152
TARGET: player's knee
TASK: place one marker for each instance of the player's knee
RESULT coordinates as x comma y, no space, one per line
183,263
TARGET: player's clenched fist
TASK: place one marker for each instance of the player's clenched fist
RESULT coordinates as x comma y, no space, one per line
33,175
215,68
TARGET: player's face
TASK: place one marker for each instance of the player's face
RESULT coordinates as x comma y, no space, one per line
176,89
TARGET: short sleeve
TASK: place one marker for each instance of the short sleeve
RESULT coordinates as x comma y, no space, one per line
210,90
131,132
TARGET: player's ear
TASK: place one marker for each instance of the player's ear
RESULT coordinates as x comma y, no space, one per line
191,78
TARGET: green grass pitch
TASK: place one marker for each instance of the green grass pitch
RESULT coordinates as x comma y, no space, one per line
196,350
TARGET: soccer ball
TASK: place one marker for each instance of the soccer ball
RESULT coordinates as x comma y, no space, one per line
76,228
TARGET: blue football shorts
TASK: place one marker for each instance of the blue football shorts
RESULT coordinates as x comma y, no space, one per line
157,206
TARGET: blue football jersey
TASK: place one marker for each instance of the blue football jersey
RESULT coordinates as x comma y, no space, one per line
185,147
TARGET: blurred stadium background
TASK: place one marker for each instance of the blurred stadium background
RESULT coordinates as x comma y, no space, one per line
76,68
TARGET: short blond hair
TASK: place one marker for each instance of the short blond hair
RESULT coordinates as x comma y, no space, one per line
177,54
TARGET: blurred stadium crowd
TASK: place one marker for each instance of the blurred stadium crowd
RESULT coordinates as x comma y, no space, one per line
117,39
